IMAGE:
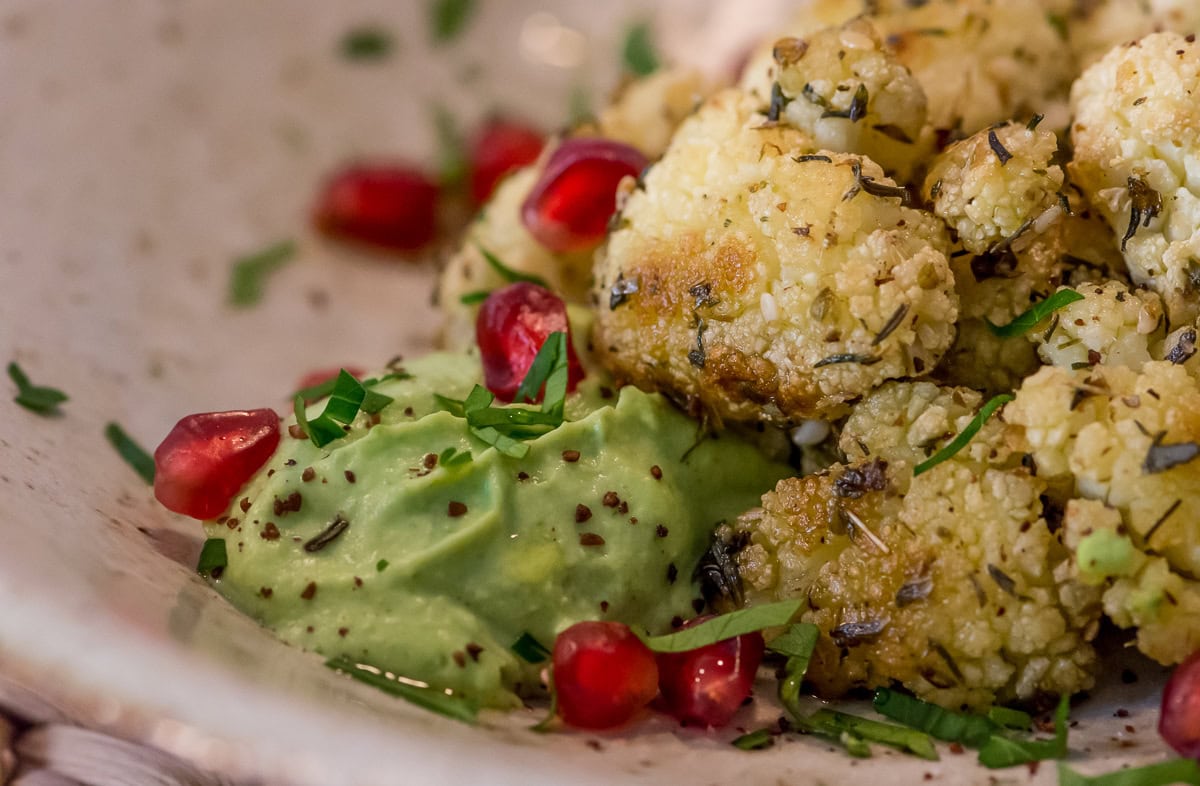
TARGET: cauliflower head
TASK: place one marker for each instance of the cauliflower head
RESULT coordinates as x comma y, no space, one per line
645,112
1097,26
1113,325
1137,153
981,360
752,278
1127,440
848,93
950,583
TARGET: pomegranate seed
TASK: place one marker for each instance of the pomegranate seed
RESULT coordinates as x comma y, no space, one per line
512,325
391,207
500,147
1179,720
603,674
207,458
706,686
571,203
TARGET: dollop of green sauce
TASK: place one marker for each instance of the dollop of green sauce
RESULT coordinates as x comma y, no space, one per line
439,568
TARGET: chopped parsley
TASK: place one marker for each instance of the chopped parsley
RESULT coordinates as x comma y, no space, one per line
1162,773
35,398
420,693
381,566
726,626
448,18
134,455
638,52
347,397
213,558
965,436
1038,312
366,43
249,273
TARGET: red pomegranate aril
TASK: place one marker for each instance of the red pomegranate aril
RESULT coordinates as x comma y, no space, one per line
512,325
569,207
387,206
1179,719
208,457
603,674
706,686
500,147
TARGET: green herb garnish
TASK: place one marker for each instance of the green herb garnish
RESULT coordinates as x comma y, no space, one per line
1030,319
35,398
1162,773
452,150
965,436
970,730
505,427
797,644
452,457
346,399
134,455
249,272
366,43
474,298
726,626
507,273
755,740
579,105
854,731
1008,718
448,18
213,558
530,649
638,53
1001,751
415,691
381,566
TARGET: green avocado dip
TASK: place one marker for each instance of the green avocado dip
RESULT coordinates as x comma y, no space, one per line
375,548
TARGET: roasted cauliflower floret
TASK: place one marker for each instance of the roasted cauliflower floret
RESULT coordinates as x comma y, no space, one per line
1111,325
499,231
950,583
1097,26
645,112
1137,151
846,90
1129,440
995,184
981,360
755,279
1141,590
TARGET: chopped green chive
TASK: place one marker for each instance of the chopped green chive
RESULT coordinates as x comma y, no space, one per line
448,18
381,566
213,558
1001,751
35,398
473,298
579,107
134,455
346,399
1009,718
1163,773
1030,319
836,725
530,649
965,436
250,272
367,43
726,626
755,740
637,52
422,694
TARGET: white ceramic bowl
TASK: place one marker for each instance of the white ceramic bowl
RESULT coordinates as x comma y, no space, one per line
143,146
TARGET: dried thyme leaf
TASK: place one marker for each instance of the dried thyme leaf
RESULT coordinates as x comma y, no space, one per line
890,326
847,357
997,148
1144,205
1184,349
1160,457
